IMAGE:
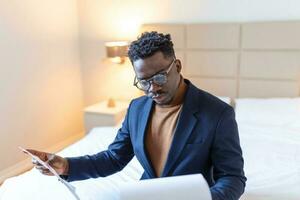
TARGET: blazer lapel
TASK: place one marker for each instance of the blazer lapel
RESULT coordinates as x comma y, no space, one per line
186,122
145,115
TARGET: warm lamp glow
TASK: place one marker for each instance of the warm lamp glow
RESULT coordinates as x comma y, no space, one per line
129,26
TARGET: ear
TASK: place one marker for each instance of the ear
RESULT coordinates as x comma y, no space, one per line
178,65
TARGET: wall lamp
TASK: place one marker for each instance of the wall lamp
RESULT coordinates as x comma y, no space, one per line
117,51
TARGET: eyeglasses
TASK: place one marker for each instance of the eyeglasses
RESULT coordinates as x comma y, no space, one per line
159,79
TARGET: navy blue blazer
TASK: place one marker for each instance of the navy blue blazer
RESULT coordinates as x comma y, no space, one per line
205,141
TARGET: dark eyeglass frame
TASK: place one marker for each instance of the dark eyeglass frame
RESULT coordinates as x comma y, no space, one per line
151,80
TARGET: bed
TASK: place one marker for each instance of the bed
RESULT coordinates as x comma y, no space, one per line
244,61
270,138
32,185
271,149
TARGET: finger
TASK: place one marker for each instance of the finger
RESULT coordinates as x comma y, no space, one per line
48,173
39,167
40,154
35,162
50,157
43,170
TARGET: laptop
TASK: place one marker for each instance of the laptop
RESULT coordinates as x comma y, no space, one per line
187,187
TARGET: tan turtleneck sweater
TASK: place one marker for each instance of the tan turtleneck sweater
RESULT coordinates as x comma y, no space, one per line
161,129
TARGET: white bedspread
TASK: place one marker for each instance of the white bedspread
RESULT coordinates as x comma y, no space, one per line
272,162
272,166
34,186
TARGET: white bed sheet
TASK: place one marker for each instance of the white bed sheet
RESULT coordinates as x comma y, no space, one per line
34,186
272,166
272,162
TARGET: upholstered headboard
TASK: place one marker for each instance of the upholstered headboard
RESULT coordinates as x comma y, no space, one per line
239,60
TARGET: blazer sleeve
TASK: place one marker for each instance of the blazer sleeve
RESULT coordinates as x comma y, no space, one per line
104,163
227,159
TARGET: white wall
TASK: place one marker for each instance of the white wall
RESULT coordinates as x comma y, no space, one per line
40,80
106,20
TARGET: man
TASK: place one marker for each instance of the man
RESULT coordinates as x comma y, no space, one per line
175,129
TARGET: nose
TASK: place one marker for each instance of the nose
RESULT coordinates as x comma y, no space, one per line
154,87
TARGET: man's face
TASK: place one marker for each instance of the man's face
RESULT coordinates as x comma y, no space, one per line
147,67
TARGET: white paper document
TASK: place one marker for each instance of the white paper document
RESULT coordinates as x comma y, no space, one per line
70,187
187,187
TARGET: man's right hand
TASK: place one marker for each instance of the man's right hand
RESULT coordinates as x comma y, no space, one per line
59,164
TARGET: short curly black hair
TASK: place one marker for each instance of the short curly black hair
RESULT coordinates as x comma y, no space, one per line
149,43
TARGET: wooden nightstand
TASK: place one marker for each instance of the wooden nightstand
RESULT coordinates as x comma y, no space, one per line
101,115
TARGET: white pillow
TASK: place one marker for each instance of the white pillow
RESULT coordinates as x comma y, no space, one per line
273,111
225,99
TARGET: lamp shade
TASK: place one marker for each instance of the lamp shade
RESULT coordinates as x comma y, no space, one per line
117,51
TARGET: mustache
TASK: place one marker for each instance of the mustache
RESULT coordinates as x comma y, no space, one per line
154,94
